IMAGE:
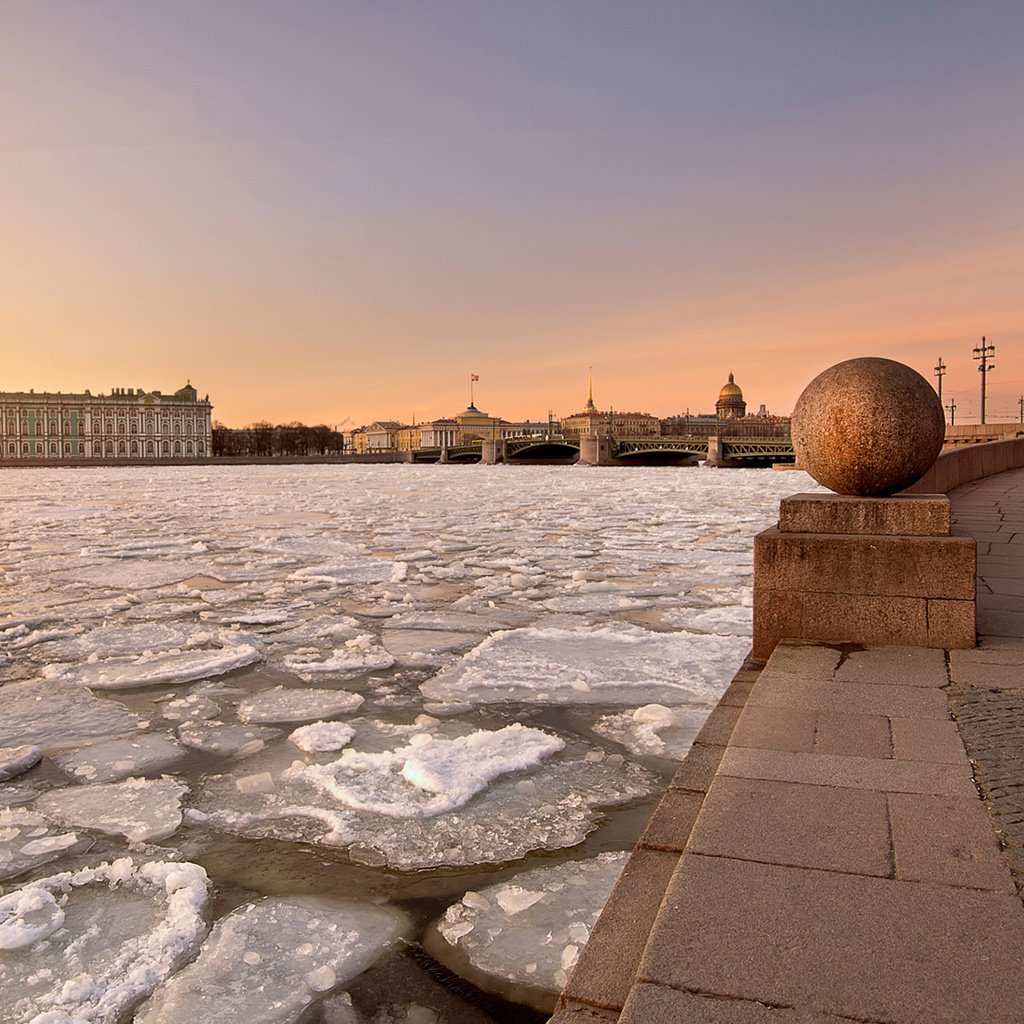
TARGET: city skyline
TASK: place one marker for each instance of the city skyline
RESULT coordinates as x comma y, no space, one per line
336,213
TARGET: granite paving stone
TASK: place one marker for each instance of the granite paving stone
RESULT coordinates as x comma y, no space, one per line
697,769
659,1004
837,732
947,840
915,740
771,728
789,823
670,825
883,776
894,666
856,698
870,948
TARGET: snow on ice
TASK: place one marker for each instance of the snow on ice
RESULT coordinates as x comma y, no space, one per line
444,794
81,947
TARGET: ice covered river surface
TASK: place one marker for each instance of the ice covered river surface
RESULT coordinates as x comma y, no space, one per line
344,744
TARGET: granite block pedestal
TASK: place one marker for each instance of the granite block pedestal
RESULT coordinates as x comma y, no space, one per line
844,569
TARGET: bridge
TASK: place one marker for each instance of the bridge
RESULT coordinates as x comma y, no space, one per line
750,451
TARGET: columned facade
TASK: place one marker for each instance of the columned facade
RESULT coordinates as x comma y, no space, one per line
128,423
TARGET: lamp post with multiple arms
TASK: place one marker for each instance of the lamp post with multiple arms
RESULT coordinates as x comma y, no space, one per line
940,372
983,353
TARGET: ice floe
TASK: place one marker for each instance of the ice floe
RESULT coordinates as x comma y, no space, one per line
82,947
611,664
145,754
523,937
58,716
16,761
27,840
141,810
153,668
654,729
294,705
228,740
321,736
493,796
266,961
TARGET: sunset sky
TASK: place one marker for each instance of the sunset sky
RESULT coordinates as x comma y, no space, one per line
336,211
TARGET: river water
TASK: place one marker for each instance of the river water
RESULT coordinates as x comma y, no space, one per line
508,662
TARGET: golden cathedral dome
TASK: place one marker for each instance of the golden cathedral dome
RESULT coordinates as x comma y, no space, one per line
730,390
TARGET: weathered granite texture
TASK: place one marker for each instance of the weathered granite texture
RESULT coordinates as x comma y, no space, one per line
868,427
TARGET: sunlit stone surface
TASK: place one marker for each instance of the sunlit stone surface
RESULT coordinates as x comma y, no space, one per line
868,426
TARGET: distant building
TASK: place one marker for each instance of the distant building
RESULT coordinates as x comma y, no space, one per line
129,423
609,423
382,436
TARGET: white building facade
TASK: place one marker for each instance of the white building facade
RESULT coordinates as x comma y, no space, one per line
129,423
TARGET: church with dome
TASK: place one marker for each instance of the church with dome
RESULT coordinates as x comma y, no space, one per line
730,404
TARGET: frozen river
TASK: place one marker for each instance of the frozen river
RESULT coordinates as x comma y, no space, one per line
264,728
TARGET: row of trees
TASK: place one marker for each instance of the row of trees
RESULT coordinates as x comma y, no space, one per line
286,439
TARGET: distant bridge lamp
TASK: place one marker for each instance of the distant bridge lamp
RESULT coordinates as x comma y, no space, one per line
983,353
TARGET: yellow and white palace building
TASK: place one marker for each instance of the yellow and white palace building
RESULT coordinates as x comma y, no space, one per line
129,423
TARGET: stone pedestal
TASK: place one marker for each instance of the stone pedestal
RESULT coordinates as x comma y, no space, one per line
864,570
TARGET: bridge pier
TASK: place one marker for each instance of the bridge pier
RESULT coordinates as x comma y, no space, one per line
443,458
494,452
715,457
595,451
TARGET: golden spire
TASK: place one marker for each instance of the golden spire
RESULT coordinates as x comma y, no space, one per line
590,389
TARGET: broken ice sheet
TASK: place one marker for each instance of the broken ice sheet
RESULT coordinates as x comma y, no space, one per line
82,947
27,840
365,802
432,774
608,664
141,810
266,961
230,740
522,938
295,705
161,667
15,761
145,754
654,729
358,655
55,716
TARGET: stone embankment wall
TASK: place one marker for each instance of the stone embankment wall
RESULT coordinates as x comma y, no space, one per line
958,466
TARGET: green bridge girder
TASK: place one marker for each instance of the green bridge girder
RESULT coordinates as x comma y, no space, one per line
779,449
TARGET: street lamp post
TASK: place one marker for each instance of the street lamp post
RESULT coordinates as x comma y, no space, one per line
983,353
952,412
940,372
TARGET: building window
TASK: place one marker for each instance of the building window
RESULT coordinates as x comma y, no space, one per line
177,448
135,449
110,449
188,447
165,449
149,449
81,448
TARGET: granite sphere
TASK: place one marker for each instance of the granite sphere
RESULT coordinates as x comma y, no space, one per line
868,427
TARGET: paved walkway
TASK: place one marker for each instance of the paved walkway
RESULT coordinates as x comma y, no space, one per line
823,854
